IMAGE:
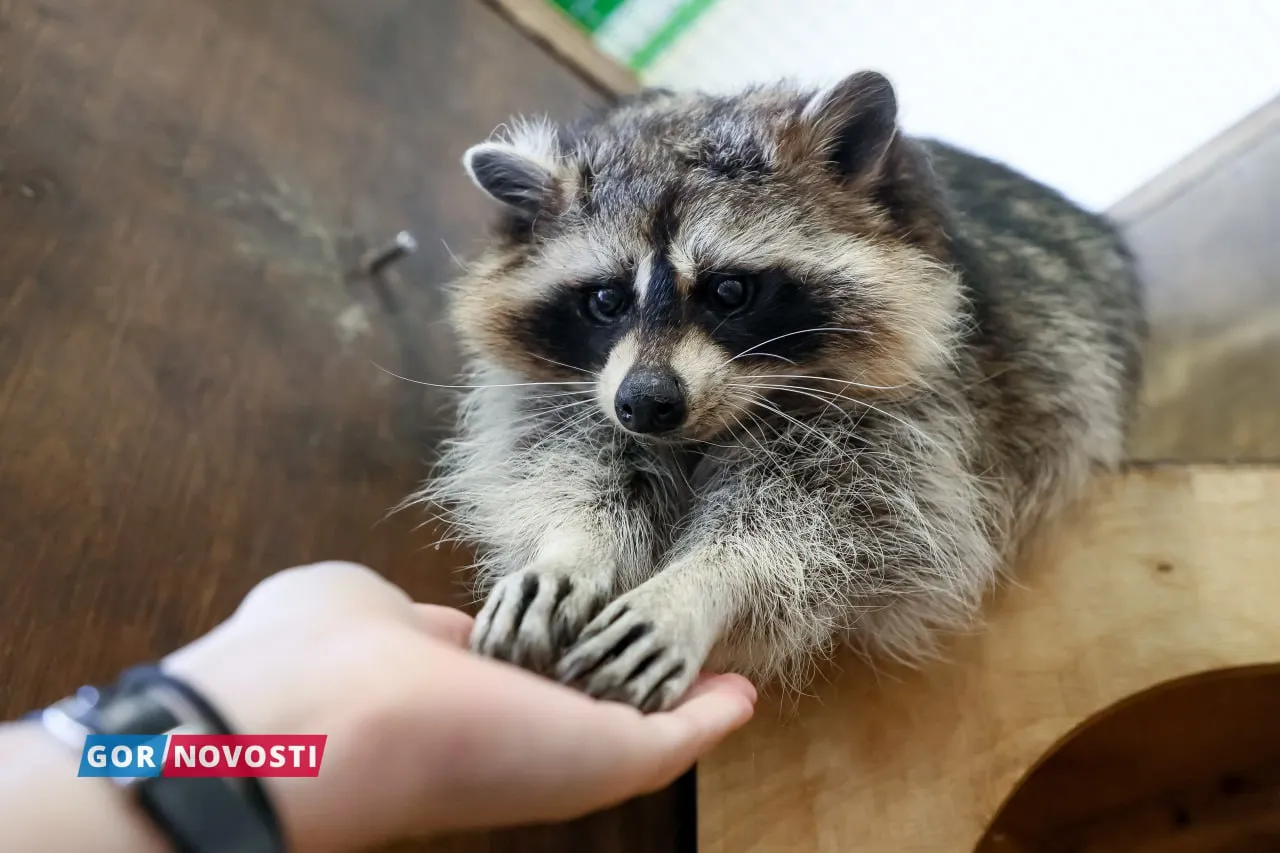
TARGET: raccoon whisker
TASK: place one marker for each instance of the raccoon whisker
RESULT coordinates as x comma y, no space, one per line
559,433
568,426
591,414
454,257
541,408
846,383
718,325
829,402
566,391
742,429
783,434
772,458
561,364
819,394
476,387
748,350
765,404
988,378
782,438
843,453
684,477
572,422
828,399
778,357
756,421
724,460
706,442
576,391
552,410
746,431
849,382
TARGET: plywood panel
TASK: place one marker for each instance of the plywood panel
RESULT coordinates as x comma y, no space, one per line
1188,766
1163,573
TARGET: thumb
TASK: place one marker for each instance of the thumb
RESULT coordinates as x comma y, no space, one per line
715,706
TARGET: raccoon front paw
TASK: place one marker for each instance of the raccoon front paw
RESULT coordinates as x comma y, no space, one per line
531,616
634,652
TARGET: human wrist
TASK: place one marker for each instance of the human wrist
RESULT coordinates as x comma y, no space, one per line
247,708
255,696
41,784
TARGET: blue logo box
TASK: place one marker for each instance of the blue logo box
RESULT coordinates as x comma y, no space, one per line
123,756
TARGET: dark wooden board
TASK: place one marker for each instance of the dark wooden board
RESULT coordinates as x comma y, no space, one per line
190,396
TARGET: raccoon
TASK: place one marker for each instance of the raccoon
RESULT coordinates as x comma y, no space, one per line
753,376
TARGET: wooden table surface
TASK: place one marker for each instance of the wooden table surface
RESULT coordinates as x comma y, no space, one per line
190,387
1138,651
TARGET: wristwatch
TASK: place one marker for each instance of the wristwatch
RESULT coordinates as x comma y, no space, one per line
197,815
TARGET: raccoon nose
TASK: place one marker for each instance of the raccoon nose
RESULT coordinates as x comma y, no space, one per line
650,401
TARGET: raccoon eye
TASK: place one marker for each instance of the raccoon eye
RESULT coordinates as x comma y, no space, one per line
606,304
729,294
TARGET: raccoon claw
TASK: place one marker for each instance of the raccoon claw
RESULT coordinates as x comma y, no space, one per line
531,616
623,656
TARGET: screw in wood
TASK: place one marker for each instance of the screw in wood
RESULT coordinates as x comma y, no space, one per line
377,260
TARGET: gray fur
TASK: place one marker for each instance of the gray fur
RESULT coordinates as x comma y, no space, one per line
877,493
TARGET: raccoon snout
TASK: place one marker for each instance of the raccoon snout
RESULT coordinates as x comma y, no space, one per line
650,400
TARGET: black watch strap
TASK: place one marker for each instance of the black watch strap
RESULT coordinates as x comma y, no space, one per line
201,815
197,815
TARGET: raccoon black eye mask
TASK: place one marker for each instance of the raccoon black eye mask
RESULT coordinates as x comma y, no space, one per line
751,376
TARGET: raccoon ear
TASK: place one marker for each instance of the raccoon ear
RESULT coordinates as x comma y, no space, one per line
853,123
510,176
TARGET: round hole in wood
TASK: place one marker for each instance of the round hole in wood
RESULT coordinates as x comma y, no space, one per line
1190,766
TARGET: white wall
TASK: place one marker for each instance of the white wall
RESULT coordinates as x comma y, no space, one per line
1092,96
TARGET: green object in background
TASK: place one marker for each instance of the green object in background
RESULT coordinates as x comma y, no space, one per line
675,26
590,14
634,32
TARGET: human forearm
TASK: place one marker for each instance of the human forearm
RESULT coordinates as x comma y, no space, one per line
422,736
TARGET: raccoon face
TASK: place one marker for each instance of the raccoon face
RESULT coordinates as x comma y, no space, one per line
697,256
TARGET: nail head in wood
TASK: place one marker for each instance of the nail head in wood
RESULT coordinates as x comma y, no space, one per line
377,260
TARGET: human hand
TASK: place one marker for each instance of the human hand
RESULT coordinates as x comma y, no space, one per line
423,736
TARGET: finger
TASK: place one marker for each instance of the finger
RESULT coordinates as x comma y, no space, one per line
444,623
716,706
560,754
711,681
